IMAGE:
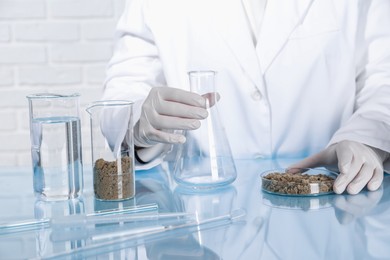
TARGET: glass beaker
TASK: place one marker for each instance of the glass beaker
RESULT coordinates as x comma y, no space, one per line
55,133
112,149
205,159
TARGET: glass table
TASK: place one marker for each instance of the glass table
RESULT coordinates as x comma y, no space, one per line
273,227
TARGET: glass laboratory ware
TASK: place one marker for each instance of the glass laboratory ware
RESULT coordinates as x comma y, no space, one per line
48,210
207,204
56,146
205,159
298,181
112,149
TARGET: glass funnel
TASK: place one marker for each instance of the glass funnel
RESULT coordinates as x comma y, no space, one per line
205,159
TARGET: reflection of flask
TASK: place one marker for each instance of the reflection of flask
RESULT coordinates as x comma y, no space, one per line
205,159
182,247
207,204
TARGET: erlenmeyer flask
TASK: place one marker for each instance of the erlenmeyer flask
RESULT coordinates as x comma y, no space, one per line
205,159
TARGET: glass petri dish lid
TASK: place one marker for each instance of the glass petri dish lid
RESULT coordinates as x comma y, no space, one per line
298,181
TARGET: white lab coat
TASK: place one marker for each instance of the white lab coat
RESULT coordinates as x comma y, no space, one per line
319,74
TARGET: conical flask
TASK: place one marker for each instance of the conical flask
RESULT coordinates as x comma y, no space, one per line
205,160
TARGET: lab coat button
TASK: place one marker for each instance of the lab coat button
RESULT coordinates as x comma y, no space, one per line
256,95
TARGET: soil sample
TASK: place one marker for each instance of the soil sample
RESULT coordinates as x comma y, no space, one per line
112,181
296,183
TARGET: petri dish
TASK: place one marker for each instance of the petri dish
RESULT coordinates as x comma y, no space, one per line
298,181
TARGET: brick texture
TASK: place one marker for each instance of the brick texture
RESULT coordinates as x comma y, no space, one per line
79,52
16,54
50,75
22,9
4,33
6,76
81,8
47,31
11,119
101,30
57,46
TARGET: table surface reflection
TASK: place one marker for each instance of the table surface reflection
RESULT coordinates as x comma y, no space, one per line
275,227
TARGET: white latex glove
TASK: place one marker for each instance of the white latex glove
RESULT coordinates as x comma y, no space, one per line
165,110
359,165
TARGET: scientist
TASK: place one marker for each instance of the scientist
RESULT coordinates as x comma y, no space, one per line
296,78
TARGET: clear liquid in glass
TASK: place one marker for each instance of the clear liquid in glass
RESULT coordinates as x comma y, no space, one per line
57,159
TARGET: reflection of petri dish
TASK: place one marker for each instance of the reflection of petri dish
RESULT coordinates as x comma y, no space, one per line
298,182
297,202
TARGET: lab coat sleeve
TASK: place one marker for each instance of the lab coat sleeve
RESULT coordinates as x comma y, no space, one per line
370,122
135,66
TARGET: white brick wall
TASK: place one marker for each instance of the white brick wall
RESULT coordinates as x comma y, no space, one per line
4,33
22,9
43,31
50,45
6,76
80,8
79,52
22,53
50,75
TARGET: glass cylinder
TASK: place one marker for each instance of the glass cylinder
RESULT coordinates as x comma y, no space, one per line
56,149
205,159
112,149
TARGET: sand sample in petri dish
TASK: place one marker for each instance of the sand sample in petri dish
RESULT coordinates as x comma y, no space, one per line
298,182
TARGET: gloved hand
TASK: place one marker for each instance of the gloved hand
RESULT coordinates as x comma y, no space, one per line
165,110
359,165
